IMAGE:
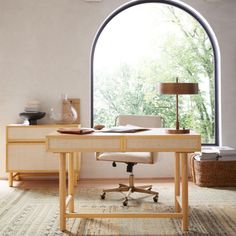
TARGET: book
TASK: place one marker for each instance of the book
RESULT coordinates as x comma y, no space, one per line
75,130
228,158
124,129
227,151
208,154
217,153
199,158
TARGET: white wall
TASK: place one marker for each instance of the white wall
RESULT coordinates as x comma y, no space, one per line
45,51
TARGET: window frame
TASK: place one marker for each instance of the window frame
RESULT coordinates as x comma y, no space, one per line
215,46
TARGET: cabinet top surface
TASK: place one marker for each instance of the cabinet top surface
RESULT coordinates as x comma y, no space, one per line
42,125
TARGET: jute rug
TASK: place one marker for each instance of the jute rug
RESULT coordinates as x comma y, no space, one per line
35,212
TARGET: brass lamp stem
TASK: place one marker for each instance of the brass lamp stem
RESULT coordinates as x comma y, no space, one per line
177,111
177,107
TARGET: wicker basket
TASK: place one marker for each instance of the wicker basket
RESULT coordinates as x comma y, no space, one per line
213,173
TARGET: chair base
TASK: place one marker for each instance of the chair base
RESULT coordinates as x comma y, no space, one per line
130,189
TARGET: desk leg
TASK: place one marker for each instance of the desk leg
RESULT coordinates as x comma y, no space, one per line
71,181
62,190
177,181
77,167
184,165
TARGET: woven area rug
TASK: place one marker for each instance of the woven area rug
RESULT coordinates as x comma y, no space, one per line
35,212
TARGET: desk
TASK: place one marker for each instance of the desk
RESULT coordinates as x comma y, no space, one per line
154,140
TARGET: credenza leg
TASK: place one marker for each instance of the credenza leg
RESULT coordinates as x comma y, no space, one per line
62,190
10,179
184,165
177,181
17,177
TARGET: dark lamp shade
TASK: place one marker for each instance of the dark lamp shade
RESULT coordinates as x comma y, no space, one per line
178,88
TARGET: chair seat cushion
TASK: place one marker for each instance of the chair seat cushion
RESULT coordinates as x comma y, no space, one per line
133,157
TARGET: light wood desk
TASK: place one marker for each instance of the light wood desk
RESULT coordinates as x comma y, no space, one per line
154,140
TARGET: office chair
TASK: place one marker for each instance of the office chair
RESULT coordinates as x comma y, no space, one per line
132,158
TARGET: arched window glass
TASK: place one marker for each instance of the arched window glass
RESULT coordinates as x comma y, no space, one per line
143,45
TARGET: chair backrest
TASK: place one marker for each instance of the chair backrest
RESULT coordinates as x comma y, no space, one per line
148,121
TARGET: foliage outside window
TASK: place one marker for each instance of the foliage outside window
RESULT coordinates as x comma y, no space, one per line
147,44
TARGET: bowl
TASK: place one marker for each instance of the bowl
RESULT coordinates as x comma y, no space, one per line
32,117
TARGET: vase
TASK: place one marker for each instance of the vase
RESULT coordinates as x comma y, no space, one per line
65,113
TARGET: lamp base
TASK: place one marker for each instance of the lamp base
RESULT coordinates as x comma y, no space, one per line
178,131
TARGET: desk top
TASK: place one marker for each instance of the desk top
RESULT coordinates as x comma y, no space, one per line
153,132
155,139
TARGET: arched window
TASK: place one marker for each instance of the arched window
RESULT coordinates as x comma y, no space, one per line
144,43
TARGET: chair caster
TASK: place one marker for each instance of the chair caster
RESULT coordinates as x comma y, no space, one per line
103,195
125,202
155,198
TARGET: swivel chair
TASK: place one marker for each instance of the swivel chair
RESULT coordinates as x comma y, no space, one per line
132,158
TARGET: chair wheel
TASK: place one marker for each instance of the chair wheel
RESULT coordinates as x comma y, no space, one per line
125,202
155,198
103,195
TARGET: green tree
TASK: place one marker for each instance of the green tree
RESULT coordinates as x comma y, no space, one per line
132,88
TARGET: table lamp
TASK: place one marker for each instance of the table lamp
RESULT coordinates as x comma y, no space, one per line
178,89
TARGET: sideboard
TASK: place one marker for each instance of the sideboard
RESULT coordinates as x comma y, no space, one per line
26,152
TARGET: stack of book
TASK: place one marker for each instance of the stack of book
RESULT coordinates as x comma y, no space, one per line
32,106
227,153
208,154
216,153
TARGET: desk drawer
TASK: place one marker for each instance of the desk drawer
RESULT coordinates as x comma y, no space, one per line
164,144
85,144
